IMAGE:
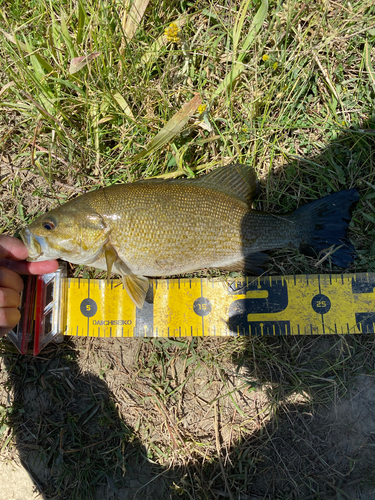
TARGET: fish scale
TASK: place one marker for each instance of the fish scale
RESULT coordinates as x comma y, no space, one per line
148,230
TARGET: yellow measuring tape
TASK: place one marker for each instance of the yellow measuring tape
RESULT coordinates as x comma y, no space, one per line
53,306
274,305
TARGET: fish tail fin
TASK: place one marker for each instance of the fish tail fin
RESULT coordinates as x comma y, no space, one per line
324,224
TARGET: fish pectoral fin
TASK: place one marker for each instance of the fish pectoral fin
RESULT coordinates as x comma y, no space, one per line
137,288
253,264
110,258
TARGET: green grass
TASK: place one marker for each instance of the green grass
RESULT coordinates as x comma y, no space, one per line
289,90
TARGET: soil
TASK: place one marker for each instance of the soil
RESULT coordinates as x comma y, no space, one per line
297,451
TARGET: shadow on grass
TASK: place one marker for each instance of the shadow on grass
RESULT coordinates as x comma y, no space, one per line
316,442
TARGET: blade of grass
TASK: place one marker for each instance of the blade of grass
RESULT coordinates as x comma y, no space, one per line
54,37
24,47
120,101
171,128
237,30
94,122
81,21
368,65
66,35
238,67
6,87
48,115
37,67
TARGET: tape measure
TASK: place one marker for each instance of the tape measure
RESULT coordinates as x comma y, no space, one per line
272,305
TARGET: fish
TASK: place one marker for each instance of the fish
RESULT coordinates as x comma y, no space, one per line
157,228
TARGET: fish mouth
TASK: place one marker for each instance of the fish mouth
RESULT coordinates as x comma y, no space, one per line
33,245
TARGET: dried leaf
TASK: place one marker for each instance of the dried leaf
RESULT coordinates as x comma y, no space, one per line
123,105
132,19
106,119
77,63
6,87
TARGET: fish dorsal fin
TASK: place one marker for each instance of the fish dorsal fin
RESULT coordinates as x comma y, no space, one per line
235,180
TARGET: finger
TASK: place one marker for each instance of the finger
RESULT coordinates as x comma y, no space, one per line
11,248
10,279
9,298
48,266
9,317
23,267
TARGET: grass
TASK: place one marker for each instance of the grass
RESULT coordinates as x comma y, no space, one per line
288,89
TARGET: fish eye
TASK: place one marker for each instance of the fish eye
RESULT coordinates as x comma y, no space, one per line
49,224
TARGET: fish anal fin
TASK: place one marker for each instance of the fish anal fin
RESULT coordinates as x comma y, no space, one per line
252,264
110,258
137,288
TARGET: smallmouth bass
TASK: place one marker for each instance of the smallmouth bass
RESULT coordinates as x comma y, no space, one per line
163,228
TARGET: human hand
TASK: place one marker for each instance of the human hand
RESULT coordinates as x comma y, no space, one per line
12,263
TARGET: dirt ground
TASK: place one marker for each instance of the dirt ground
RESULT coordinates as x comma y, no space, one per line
17,483
271,447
